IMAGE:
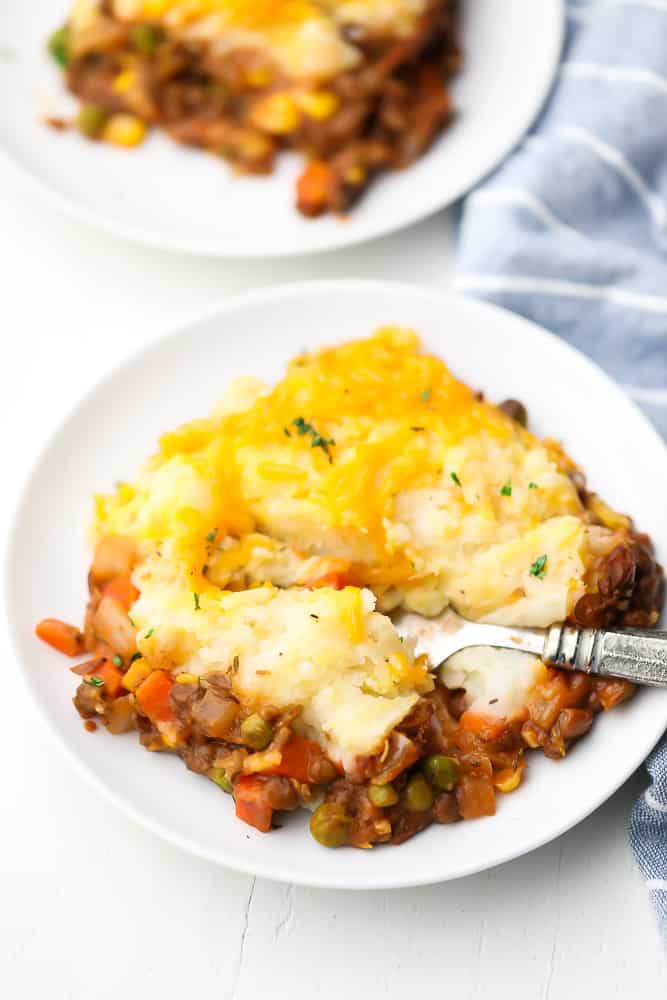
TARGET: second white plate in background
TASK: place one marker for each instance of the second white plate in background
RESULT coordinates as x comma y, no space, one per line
179,199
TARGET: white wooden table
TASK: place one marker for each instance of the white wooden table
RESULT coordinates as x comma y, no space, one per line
92,906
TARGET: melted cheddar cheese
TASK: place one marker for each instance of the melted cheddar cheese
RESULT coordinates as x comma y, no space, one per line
375,454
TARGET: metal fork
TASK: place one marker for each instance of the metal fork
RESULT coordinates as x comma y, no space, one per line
637,655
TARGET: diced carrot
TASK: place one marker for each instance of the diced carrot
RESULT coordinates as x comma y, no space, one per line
297,755
487,727
312,188
65,638
112,677
251,805
122,590
153,697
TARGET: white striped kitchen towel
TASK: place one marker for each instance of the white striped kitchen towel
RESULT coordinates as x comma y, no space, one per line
571,231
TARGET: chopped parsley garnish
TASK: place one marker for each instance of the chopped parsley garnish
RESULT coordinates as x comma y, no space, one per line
506,490
455,478
94,681
426,395
533,486
539,567
117,661
303,427
211,535
149,633
197,604
136,656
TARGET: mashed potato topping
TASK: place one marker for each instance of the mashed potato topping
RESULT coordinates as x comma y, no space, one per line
374,455
497,682
325,650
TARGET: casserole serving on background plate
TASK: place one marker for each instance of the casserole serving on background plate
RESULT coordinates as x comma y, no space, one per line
352,88
357,86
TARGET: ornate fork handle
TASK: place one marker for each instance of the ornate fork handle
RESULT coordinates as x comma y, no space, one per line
637,655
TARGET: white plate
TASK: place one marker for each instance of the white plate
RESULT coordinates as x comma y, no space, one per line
116,426
180,199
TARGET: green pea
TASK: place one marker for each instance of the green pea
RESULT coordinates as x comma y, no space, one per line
383,796
330,825
442,772
418,794
145,38
91,120
217,91
256,732
58,45
219,775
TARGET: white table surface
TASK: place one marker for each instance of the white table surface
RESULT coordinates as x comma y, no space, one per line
93,906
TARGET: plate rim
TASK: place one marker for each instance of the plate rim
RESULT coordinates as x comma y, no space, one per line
219,309
139,236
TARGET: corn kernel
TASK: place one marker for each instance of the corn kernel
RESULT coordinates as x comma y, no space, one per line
135,674
276,113
124,81
186,679
124,130
258,76
258,762
318,104
508,780
355,174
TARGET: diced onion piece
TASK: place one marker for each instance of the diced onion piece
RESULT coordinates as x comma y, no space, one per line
318,104
112,624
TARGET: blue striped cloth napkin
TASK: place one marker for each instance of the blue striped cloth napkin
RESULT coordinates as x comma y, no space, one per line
571,231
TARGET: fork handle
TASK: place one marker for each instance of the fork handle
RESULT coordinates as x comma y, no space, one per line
638,655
